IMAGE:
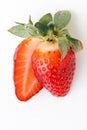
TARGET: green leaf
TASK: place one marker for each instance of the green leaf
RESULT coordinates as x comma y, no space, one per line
75,43
46,19
30,21
20,23
42,28
64,32
50,25
63,46
23,30
62,18
32,30
19,30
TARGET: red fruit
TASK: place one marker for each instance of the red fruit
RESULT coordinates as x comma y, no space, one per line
26,84
54,73
50,50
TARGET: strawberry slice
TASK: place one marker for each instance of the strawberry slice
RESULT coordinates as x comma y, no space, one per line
26,84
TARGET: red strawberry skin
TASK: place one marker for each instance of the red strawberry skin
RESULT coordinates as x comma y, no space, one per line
54,74
26,84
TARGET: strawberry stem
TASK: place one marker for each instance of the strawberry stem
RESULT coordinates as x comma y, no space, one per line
50,29
30,21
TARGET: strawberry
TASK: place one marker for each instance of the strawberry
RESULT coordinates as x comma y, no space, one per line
54,60
46,58
53,73
26,84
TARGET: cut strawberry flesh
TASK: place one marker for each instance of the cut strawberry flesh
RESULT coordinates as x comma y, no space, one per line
26,84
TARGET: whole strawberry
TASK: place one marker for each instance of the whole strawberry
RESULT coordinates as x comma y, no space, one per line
54,59
46,58
53,73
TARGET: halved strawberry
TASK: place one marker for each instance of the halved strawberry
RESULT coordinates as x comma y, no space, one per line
26,84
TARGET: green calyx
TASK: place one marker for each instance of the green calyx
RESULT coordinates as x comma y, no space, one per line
49,28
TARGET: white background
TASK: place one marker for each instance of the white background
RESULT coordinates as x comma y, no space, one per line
43,111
